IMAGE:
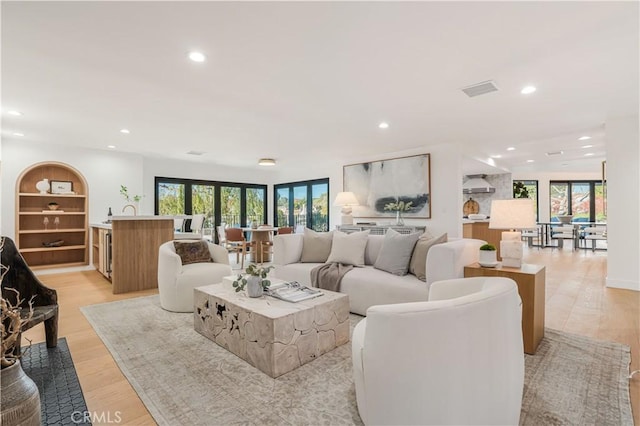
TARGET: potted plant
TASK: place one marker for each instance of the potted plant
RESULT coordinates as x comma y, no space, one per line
488,255
399,207
19,396
255,280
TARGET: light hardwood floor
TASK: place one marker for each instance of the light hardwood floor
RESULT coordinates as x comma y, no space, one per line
577,301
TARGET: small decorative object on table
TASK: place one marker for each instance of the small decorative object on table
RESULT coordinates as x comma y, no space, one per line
255,280
53,205
399,207
488,256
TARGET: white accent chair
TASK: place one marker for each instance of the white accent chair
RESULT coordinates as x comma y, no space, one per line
455,359
197,229
177,281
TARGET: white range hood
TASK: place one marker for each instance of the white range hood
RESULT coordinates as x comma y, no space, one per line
477,185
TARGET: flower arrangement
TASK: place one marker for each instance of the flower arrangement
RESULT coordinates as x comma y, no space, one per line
253,270
399,206
124,191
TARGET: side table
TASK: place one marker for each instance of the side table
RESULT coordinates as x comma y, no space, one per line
531,287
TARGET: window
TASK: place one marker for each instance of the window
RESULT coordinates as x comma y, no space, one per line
302,203
236,204
169,198
527,189
585,200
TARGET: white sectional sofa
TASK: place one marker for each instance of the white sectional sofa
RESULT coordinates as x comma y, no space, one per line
367,286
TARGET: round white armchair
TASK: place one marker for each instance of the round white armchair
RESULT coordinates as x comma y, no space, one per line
457,359
177,281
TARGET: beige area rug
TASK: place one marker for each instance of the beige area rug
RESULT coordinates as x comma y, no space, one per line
185,379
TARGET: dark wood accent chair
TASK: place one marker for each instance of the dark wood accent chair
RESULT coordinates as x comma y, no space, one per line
20,277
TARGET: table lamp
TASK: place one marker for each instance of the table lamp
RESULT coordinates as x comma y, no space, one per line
346,200
513,215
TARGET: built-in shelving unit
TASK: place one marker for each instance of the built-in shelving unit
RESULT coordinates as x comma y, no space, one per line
71,226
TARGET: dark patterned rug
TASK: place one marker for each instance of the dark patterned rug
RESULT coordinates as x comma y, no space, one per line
61,397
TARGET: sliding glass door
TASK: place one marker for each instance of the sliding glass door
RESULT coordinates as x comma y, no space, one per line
235,204
302,204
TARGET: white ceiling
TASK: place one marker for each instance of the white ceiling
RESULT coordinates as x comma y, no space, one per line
295,81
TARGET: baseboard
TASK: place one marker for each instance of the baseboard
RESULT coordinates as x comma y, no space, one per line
623,284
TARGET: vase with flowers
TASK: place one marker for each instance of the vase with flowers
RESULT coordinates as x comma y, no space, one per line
19,395
255,280
399,207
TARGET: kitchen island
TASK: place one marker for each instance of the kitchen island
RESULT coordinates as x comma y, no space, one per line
135,241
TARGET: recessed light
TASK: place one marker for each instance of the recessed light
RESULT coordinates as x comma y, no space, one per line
111,146
13,112
496,156
584,138
383,125
197,57
530,161
511,148
588,154
125,131
527,90
17,134
587,146
267,162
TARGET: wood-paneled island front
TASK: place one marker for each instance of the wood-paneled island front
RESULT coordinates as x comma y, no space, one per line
134,248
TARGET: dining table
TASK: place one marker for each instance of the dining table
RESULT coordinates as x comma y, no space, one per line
259,253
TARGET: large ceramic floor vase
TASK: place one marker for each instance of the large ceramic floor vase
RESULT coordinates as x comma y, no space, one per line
19,398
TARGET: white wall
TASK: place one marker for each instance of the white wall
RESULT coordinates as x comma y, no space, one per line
104,172
446,185
623,198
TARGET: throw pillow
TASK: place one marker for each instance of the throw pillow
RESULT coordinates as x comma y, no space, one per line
348,248
192,251
418,265
316,246
395,252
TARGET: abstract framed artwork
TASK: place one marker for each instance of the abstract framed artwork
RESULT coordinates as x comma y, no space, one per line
377,183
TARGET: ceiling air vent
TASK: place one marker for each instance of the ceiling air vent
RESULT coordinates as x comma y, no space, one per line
196,152
480,88
552,153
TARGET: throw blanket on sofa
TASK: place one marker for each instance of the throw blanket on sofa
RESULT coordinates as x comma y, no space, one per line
329,276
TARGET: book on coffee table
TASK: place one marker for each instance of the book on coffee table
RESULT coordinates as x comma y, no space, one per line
292,291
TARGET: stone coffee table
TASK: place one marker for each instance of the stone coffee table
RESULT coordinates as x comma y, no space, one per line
273,335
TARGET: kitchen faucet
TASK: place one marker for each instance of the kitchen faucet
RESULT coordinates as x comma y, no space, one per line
135,211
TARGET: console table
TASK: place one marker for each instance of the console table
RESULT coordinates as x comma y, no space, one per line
381,229
531,287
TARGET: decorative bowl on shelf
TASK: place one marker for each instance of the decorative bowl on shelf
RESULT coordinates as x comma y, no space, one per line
53,206
56,243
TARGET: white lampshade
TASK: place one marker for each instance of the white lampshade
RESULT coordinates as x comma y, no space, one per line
346,199
512,214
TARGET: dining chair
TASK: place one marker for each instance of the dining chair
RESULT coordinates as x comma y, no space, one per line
593,234
235,242
564,232
267,246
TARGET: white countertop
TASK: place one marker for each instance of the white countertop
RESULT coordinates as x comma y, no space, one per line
140,217
100,225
